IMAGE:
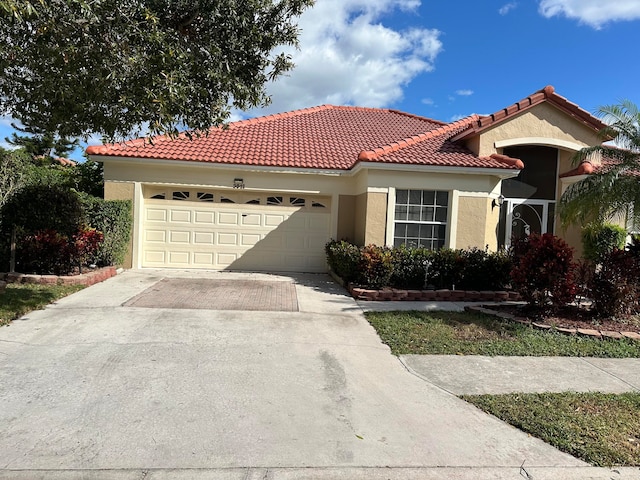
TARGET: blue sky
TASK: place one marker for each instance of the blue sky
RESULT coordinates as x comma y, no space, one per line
445,59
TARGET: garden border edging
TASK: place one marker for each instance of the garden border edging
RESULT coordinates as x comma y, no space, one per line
542,326
87,279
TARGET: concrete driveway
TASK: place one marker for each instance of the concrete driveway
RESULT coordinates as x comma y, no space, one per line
110,383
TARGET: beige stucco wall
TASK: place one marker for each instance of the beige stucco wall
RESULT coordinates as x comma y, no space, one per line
477,223
346,218
541,121
118,190
121,191
195,174
376,224
360,219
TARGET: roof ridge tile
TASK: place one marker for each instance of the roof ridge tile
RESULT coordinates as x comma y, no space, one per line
547,93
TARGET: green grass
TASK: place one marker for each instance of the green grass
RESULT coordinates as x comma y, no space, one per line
20,299
471,333
601,429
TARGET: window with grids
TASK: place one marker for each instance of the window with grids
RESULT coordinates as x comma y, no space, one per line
421,218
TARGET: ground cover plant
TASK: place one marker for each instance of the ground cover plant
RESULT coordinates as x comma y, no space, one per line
601,429
471,333
20,299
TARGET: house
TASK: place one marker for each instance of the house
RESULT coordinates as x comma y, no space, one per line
268,193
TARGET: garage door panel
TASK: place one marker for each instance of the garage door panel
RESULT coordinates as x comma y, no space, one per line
296,223
226,259
156,215
229,239
155,256
274,241
228,218
155,236
317,242
179,237
317,223
294,243
203,238
179,216
202,217
189,234
251,219
179,258
249,239
273,220
205,259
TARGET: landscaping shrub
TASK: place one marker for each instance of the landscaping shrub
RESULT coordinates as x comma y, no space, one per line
543,269
484,270
40,207
418,268
58,210
615,285
446,269
114,219
344,259
376,266
497,271
410,267
50,252
600,239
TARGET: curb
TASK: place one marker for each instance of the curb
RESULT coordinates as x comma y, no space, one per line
593,333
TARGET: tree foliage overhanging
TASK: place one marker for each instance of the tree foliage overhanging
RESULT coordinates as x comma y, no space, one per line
614,190
110,67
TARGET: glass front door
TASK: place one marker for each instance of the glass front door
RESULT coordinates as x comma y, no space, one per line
525,217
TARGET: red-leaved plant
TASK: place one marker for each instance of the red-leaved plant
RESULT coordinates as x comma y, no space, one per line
543,270
49,252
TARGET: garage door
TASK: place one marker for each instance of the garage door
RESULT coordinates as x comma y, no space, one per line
234,230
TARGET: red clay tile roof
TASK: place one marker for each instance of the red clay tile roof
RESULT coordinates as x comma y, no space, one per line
547,94
606,163
434,148
324,137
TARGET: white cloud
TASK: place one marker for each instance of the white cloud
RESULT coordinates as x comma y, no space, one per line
427,101
592,12
455,118
507,8
464,93
347,56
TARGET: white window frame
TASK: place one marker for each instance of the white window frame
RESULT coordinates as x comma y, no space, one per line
391,216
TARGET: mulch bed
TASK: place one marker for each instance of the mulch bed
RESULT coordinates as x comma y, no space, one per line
571,316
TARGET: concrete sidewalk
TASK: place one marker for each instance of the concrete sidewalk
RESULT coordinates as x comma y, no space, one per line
477,375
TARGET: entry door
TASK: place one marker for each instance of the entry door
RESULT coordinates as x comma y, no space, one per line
525,217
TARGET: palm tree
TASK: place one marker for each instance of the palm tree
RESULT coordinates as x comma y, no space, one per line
613,189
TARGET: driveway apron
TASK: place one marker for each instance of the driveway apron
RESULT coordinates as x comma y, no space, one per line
157,370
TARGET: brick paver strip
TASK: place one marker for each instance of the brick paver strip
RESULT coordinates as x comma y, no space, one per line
213,294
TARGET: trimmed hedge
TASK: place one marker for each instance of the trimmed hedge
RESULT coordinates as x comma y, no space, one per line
418,268
114,219
62,212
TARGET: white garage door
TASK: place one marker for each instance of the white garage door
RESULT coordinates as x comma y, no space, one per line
235,230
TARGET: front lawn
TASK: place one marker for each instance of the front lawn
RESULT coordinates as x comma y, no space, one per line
471,333
601,429
20,299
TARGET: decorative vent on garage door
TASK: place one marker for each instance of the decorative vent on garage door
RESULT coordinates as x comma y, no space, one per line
307,202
